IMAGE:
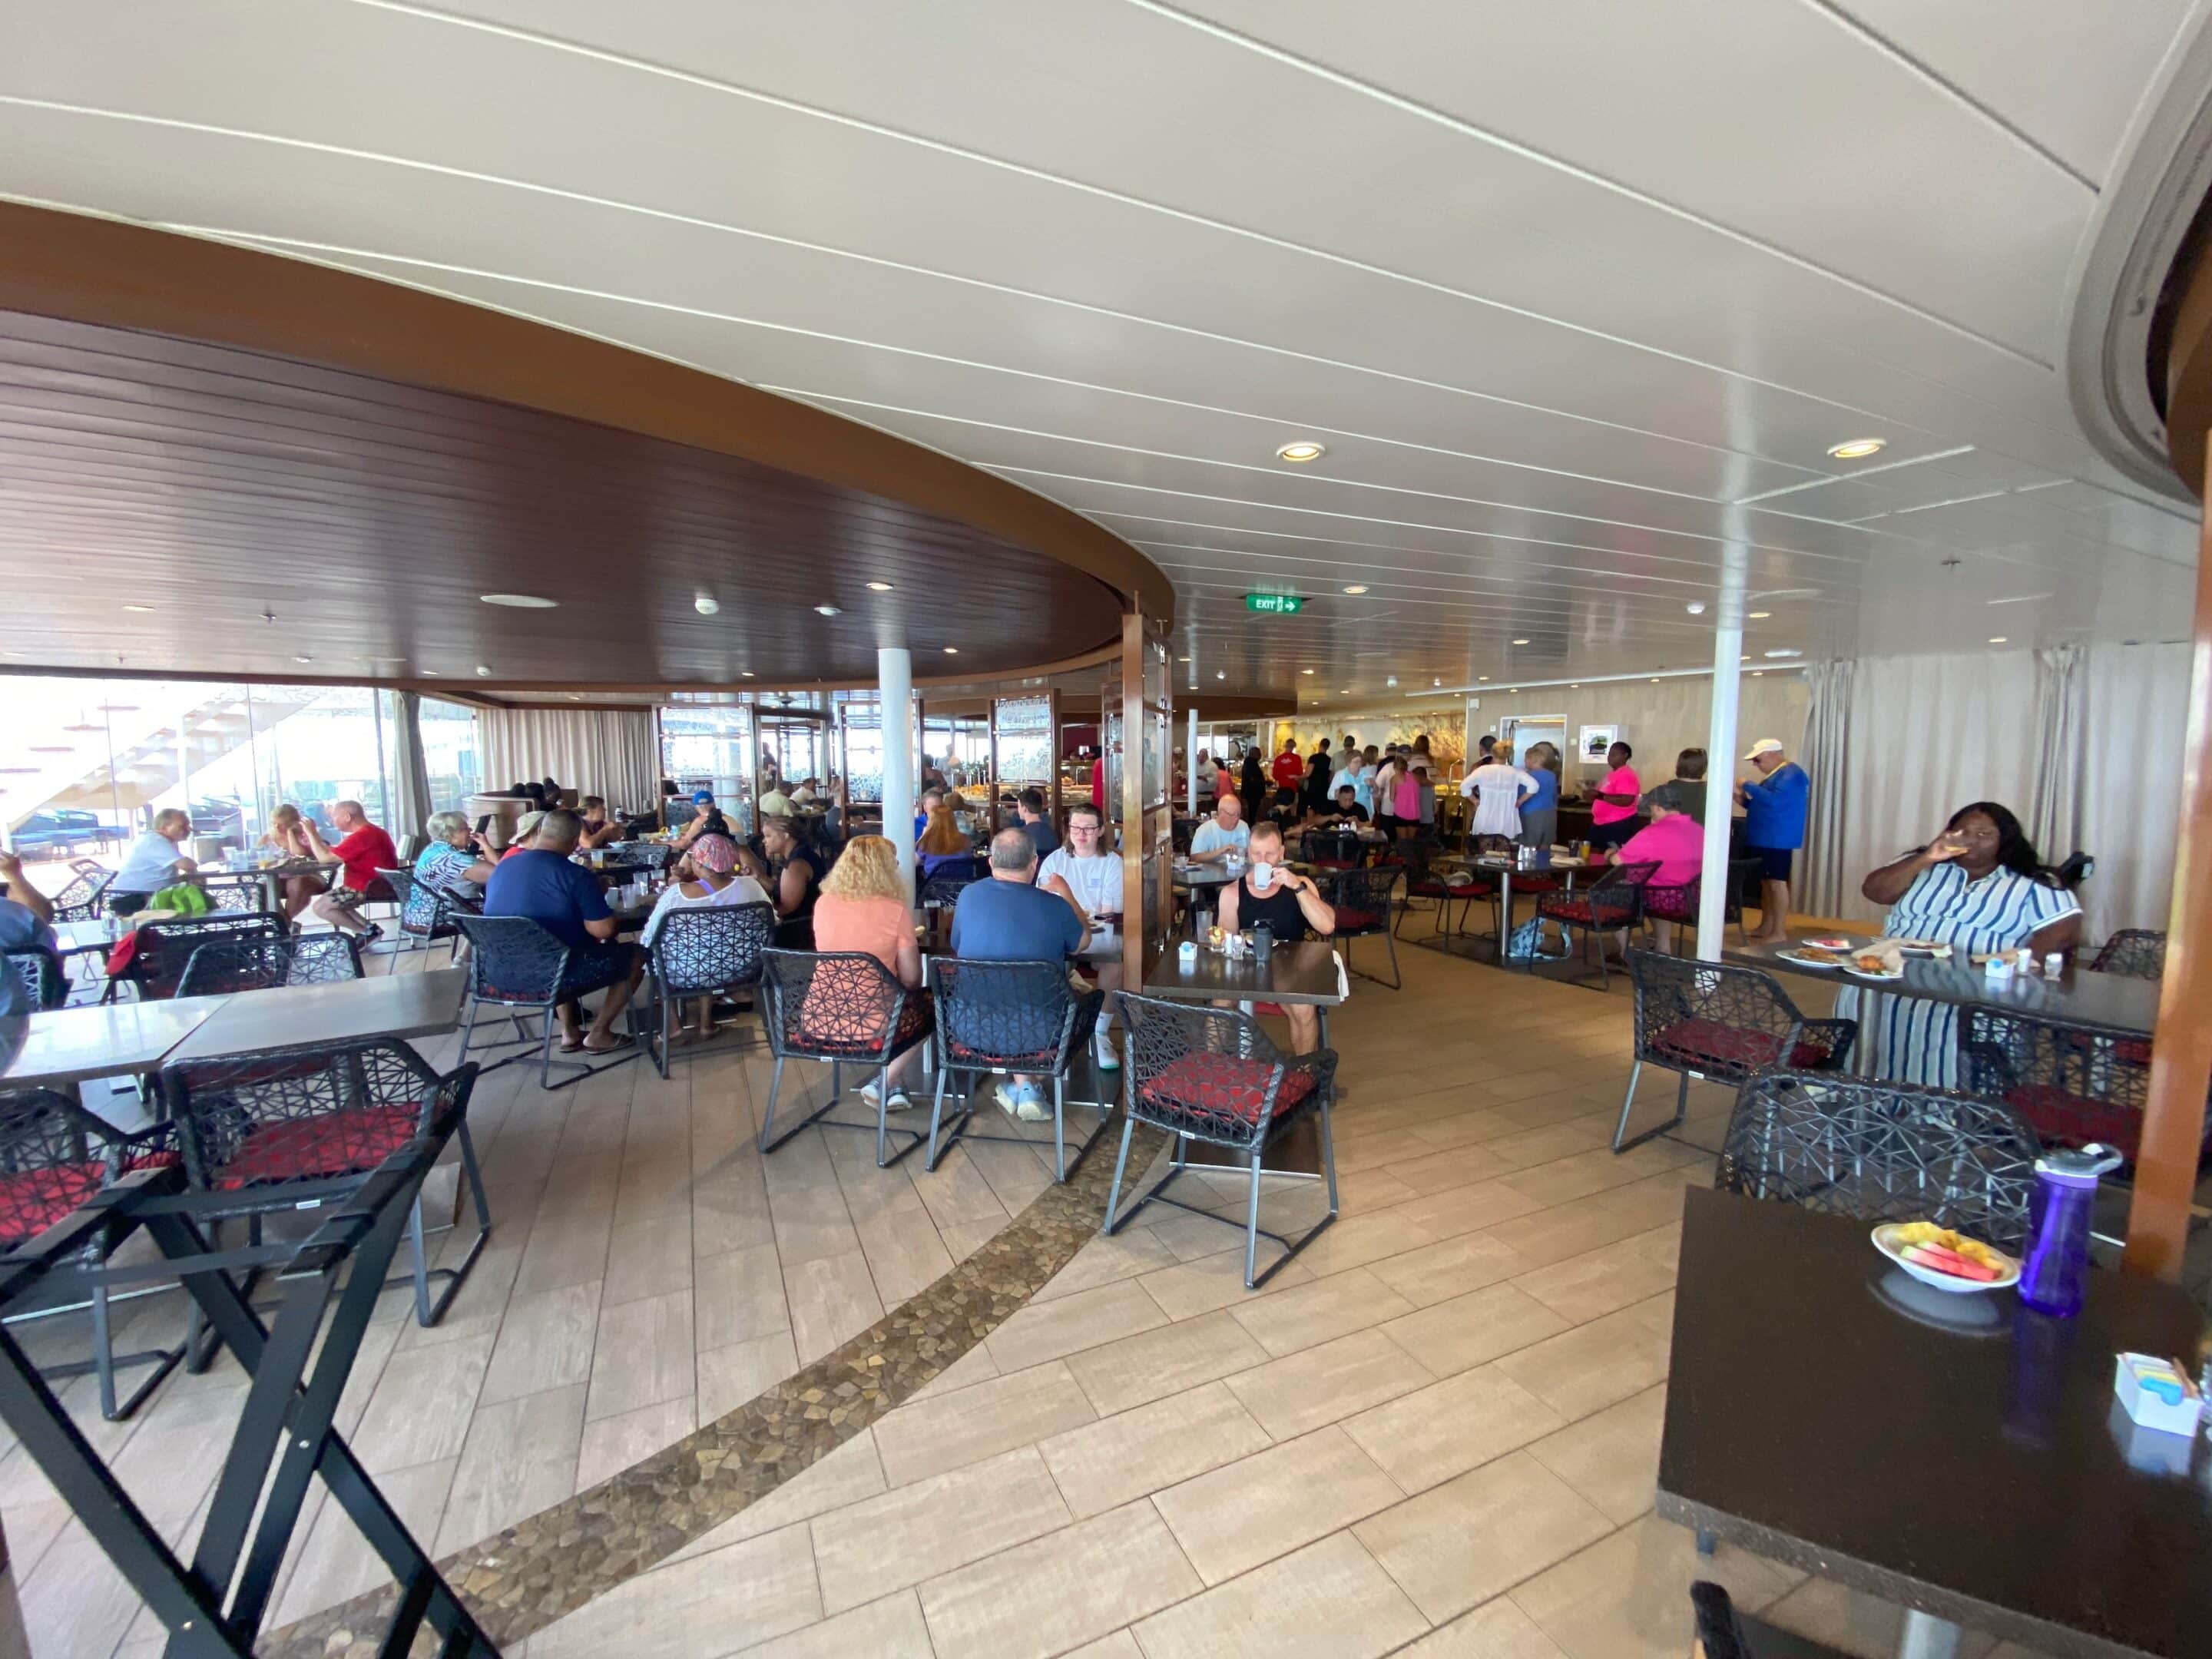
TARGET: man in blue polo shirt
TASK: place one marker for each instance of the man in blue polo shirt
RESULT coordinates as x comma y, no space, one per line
1009,919
565,900
1774,806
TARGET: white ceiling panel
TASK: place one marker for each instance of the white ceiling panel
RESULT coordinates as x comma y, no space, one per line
1577,296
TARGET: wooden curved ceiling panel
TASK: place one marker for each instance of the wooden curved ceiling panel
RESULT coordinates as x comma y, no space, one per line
241,463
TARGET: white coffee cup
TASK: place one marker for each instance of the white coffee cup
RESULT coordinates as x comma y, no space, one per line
1263,876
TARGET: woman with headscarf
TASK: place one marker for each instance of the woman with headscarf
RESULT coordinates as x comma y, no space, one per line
706,876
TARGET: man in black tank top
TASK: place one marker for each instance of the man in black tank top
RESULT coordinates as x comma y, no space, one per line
1292,908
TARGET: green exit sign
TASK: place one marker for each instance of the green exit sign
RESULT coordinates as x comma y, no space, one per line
1275,604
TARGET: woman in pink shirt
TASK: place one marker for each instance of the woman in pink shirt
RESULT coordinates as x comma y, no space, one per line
1674,841
1612,812
862,907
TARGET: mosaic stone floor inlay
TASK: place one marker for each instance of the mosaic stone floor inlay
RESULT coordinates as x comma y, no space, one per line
521,1579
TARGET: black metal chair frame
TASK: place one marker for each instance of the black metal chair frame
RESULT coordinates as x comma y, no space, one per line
215,1605
533,988
1840,1144
80,900
227,967
1232,1035
207,1102
69,1135
959,1053
786,1034
1621,886
1373,887
2136,953
2003,1051
1670,991
41,973
674,977
443,908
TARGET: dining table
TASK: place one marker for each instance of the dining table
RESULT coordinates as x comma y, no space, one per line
1504,868
62,1047
397,1006
1961,1456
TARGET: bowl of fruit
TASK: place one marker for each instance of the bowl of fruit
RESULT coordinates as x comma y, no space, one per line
1947,1259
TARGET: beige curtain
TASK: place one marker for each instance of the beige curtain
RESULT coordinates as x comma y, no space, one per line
596,751
2129,761
2054,818
1829,888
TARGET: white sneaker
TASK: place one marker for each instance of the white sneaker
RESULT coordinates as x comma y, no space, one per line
1029,1104
868,1093
900,1102
1102,1048
1008,1097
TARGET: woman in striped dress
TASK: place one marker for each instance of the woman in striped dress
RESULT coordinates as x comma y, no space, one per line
1977,887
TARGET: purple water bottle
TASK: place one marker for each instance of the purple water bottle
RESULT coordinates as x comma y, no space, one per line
2058,1228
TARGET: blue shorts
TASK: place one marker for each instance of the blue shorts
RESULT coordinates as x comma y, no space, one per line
1773,861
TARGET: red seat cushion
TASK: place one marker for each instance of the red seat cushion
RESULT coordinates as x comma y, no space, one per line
1709,1045
1579,910
1669,904
839,1028
1428,888
1227,1087
1357,921
32,1200
2071,1119
348,1142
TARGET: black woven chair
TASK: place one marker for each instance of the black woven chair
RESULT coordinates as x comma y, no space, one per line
1330,849
80,901
1210,1074
942,891
634,855
41,971
1882,1151
164,948
224,967
1422,882
1007,1019
515,964
840,1008
1180,832
426,909
2073,1083
54,1155
706,952
1728,1025
2137,952
1613,904
295,1128
1362,901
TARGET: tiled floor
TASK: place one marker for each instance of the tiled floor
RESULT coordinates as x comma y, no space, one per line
1434,1433
647,1270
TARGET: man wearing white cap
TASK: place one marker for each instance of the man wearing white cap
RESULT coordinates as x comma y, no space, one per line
1774,806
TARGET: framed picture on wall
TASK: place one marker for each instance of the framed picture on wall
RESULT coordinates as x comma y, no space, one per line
1596,740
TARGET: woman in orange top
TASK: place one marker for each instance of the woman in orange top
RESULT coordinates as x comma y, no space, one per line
863,907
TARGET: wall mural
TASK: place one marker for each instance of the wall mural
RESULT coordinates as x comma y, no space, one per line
1446,729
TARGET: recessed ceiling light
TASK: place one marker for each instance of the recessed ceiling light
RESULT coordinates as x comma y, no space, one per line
575,696
1512,690
1345,692
745,673
141,609
519,601
825,610
1182,659
1299,452
429,673
303,660
707,605
1758,616
1788,651
51,749
879,587
1357,587
1857,449
1305,671
1758,673
1435,682
1696,607
1520,642
483,670
951,650
1221,673
1482,677
1655,679
1576,687
1392,680
1996,639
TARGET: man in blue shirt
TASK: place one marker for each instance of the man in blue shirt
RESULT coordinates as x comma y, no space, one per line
26,922
1774,806
564,899
1029,805
1009,919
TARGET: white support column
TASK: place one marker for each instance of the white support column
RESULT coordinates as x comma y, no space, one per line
895,682
1720,755
1190,762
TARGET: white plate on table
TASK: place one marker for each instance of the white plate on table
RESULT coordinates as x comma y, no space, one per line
1812,963
1885,1240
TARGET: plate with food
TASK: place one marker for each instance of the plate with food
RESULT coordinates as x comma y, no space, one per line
1812,956
1922,947
1945,1259
1830,944
1876,967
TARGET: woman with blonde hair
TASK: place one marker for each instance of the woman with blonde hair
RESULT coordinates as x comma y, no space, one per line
862,907
286,837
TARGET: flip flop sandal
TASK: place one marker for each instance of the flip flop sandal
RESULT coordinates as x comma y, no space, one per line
575,1048
615,1046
